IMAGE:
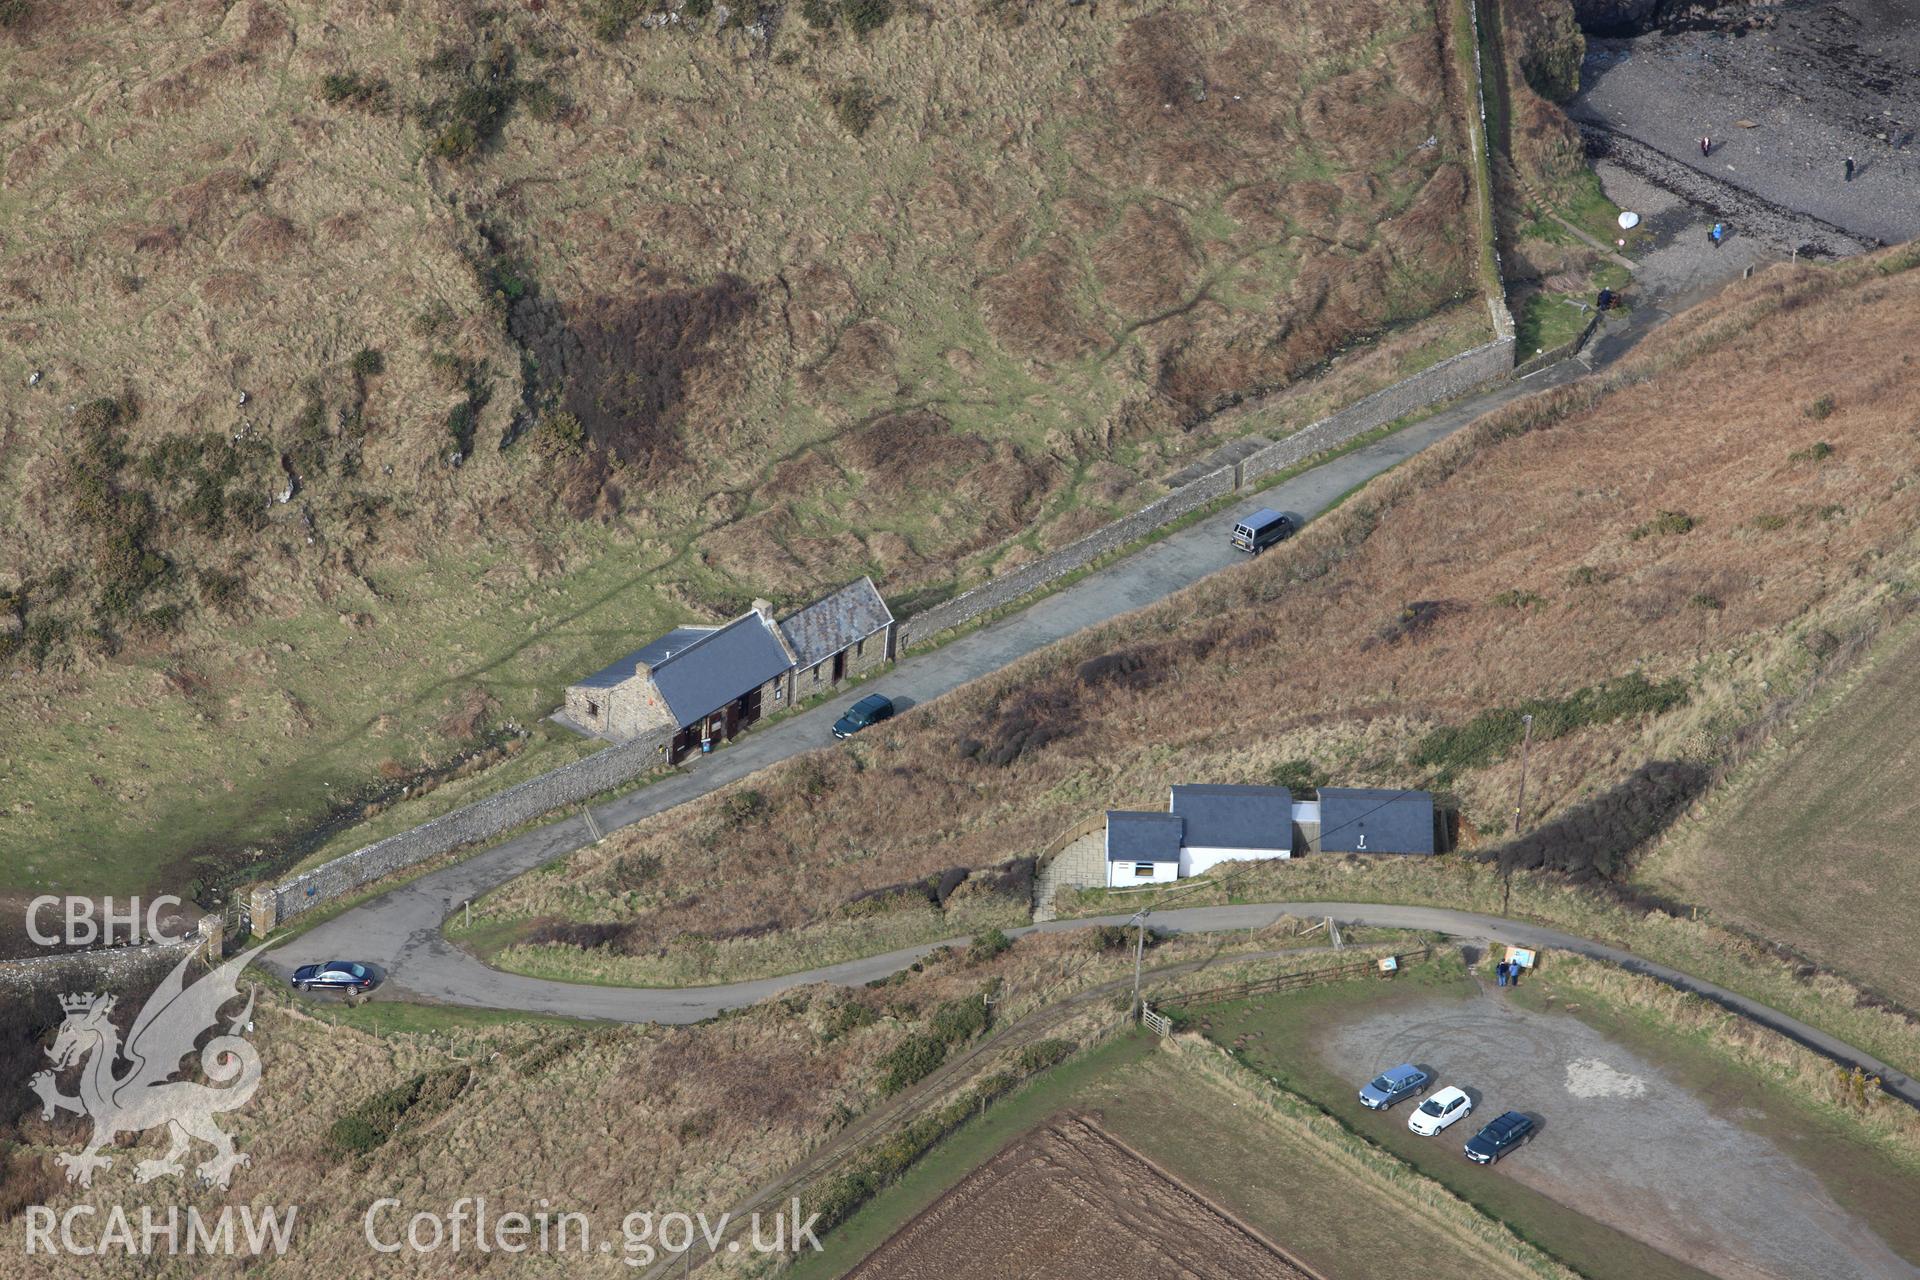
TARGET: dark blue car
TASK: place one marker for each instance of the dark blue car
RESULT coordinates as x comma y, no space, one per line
864,714
334,975
1502,1134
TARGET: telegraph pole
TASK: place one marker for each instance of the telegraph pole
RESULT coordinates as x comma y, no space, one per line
1519,805
1526,744
1139,944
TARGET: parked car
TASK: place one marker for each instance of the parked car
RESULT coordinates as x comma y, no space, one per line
334,975
1502,1134
1393,1084
1439,1111
1255,533
864,714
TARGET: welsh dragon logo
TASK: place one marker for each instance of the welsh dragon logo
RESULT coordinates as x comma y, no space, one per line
146,1096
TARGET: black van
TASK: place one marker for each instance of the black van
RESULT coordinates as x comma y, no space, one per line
1255,533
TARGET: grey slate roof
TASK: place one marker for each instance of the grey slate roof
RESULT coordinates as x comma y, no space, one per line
1143,837
617,673
719,666
1223,816
829,625
1375,820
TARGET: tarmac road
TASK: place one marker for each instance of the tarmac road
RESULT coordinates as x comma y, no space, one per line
399,931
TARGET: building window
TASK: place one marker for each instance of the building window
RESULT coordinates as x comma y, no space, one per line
1143,868
593,710
816,673
859,647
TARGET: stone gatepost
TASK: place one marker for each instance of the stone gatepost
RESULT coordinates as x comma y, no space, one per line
213,935
264,908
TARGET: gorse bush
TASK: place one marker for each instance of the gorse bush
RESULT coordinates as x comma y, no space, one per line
854,106
1492,735
1666,524
1818,451
371,1124
1821,409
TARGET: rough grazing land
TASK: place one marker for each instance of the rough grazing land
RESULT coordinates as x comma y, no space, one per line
1069,1201
564,327
1677,520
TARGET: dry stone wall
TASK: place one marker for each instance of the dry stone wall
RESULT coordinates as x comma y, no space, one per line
274,905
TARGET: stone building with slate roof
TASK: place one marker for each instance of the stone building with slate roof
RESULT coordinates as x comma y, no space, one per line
706,683
846,634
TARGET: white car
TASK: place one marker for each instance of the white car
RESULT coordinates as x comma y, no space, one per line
1439,1111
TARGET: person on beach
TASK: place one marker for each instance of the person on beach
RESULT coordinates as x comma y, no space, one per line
1706,145
1849,168
1718,234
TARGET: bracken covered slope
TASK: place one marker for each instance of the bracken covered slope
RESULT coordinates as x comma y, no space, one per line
750,301
1643,559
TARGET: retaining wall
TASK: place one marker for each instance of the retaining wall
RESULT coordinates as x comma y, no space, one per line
274,905
1451,377
114,968
1058,563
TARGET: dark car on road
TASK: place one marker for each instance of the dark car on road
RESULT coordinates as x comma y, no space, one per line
334,975
1502,1134
864,714
1393,1084
1255,533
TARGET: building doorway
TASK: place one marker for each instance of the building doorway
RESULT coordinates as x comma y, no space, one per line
840,666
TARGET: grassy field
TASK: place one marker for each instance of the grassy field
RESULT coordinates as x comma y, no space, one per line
1276,1174
1811,843
974,286
1533,562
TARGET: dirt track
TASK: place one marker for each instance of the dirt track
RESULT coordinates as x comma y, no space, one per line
1069,1201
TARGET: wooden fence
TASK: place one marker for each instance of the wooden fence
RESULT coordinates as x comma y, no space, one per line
1291,981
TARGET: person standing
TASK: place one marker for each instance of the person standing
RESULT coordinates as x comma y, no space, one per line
1718,233
1706,145
1849,168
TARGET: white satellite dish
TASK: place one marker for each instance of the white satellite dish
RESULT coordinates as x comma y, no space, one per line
1629,220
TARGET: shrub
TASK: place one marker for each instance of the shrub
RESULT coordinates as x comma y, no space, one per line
1666,524
1297,775
1042,1054
1412,621
1585,576
14,13
367,363
349,88
1516,599
373,1122
819,14
1703,600
742,807
576,933
912,1060
1818,451
854,106
958,1021
1491,735
1769,522
696,8
988,945
866,15
1820,410
611,18
848,1018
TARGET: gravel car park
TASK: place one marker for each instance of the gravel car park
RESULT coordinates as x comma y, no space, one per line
1697,1175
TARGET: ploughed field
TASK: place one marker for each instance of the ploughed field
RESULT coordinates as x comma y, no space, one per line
1070,1201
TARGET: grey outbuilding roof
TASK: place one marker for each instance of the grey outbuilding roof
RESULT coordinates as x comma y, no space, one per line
836,622
1375,820
1143,837
719,667
1224,816
618,673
